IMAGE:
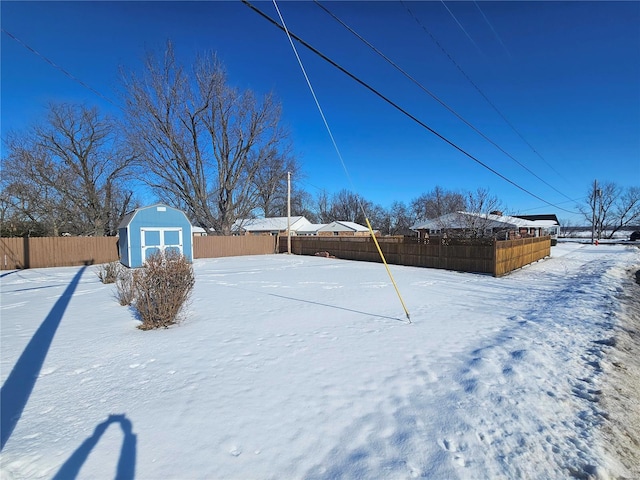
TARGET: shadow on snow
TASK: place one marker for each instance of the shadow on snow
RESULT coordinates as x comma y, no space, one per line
17,389
126,463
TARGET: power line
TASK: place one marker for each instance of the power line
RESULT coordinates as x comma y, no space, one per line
491,27
479,90
441,102
58,67
574,200
373,237
461,27
397,107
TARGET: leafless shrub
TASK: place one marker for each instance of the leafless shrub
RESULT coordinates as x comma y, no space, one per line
125,290
162,286
108,273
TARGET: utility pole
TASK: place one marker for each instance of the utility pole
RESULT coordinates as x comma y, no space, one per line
289,213
593,211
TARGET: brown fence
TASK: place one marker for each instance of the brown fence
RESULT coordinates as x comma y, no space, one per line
465,255
514,254
215,246
39,252
42,252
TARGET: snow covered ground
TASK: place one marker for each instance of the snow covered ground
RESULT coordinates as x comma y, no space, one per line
305,367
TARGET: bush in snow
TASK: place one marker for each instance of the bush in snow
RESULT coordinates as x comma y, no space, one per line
125,290
162,286
108,273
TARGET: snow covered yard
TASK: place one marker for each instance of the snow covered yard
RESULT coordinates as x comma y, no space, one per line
305,367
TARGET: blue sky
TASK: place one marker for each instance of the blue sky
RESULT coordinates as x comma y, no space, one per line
565,75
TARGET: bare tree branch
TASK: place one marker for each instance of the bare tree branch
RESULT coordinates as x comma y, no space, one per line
205,146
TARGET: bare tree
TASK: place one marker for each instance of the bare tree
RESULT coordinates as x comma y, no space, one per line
271,185
346,206
69,172
401,219
482,201
206,147
609,208
481,204
302,204
437,203
323,207
626,211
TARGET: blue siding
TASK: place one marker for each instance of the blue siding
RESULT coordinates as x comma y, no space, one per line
156,216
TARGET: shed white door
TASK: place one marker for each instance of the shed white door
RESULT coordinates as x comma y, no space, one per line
160,239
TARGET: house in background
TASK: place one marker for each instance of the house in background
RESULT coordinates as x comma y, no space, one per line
156,228
343,229
300,226
268,226
552,222
310,230
198,231
470,224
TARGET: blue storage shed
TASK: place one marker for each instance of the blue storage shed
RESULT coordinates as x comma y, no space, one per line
147,230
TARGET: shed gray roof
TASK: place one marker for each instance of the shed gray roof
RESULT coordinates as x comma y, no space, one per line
128,217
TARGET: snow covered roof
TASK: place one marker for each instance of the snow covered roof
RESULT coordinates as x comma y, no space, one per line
543,216
310,229
463,220
270,224
340,226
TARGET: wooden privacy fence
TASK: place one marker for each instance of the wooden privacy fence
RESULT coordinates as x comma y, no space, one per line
513,254
465,255
42,252
218,246
459,254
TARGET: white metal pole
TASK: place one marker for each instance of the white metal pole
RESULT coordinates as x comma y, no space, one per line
289,213
593,211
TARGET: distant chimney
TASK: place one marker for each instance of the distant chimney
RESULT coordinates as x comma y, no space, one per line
496,212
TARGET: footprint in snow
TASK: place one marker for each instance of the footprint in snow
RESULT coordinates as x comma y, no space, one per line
518,354
448,445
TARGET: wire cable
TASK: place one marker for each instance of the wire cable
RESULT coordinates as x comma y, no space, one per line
462,28
335,145
441,102
492,29
479,90
58,67
400,109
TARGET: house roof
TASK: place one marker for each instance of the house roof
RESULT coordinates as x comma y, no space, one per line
310,228
269,224
463,220
343,226
545,216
